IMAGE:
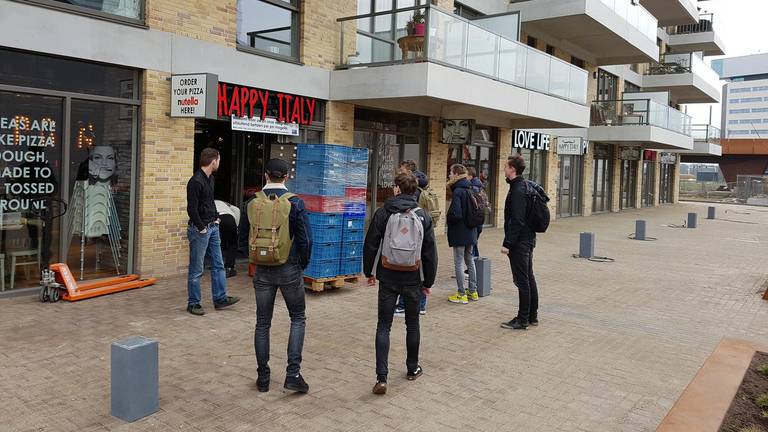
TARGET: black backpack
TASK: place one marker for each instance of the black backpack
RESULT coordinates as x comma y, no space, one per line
538,212
476,211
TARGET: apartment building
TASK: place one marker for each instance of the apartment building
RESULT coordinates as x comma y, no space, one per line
104,105
745,96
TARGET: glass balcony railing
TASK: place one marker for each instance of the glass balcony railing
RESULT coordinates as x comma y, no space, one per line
635,112
636,15
684,63
427,33
706,24
706,133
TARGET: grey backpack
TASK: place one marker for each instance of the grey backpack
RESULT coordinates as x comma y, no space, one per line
401,248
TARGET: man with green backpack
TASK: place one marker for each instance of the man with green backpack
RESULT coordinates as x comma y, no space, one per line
279,243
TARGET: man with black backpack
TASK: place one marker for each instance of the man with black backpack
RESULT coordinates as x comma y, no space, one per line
280,244
524,213
401,234
464,215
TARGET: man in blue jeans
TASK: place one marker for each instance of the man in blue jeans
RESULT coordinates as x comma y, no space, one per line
288,278
203,235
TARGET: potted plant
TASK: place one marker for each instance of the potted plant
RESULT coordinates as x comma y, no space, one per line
416,25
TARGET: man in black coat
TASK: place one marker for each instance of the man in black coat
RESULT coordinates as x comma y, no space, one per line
460,236
519,242
408,284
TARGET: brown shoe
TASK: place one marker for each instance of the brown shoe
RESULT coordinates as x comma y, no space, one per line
380,388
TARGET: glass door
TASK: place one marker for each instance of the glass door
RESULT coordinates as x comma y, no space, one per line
569,195
628,184
648,189
601,194
667,183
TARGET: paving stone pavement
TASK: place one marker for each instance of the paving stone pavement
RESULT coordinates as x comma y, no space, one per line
618,342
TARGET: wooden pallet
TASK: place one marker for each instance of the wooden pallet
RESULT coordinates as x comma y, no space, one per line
323,284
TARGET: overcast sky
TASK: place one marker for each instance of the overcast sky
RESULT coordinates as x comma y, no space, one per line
743,27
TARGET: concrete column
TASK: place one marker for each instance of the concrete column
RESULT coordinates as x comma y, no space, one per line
616,181
657,182
504,148
339,123
676,182
437,168
552,181
639,186
588,177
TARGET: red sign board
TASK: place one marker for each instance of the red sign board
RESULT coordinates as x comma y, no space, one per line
245,101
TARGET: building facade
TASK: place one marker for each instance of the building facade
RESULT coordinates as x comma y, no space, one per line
86,117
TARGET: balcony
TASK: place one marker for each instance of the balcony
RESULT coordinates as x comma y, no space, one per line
608,32
640,122
699,37
686,77
450,67
706,141
673,12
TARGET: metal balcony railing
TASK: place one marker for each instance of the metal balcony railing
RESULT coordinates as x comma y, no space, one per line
706,133
705,25
636,15
684,63
428,33
633,112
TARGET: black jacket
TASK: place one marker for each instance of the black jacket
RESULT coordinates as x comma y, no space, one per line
298,227
375,235
516,228
200,206
459,234
422,181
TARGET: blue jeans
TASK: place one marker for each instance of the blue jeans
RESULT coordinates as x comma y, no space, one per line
289,279
422,302
200,245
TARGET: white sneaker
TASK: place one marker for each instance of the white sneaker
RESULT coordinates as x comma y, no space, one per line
399,312
423,312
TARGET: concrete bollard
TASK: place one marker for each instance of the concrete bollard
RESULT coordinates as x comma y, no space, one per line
710,212
587,245
692,220
639,229
483,271
134,374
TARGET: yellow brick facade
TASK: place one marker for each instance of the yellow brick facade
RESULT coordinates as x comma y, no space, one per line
212,21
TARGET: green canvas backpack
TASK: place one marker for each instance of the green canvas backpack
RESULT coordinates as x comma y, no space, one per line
269,239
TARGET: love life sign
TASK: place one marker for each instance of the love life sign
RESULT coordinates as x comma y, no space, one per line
530,140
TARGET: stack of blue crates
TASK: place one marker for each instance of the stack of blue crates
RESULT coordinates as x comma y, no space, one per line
329,171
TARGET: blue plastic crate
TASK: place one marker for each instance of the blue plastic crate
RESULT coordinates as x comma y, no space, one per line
326,250
319,170
326,233
354,222
322,268
357,155
352,208
351,266
332,219
321,153
310,187
351,250
353,235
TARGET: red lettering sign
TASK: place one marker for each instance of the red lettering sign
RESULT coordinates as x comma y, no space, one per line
247,101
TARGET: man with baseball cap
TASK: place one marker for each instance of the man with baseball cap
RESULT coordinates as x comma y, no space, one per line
287,277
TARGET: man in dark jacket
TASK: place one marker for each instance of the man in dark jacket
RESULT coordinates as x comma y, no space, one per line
519,242
408,166
461,237
407,284
203,235
289,279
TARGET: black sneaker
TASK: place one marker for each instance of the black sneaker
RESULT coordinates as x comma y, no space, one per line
231,272
515,324
229,301
262,384
296,383
415,374
195,309
534,322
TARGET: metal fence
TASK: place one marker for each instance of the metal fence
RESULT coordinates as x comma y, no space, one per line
752,190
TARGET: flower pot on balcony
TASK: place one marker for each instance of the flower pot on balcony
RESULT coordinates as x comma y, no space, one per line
419,29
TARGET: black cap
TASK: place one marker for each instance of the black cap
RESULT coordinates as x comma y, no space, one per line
277,168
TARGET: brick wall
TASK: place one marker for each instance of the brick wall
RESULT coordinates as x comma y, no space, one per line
505,137
657,181
320,32
616,181
587,183
165,165
437,167
339,123
213,21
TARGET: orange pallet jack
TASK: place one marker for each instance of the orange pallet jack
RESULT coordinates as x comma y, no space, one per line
58,283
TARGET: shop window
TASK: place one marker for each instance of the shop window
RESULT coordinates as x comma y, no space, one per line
269,26
129,10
